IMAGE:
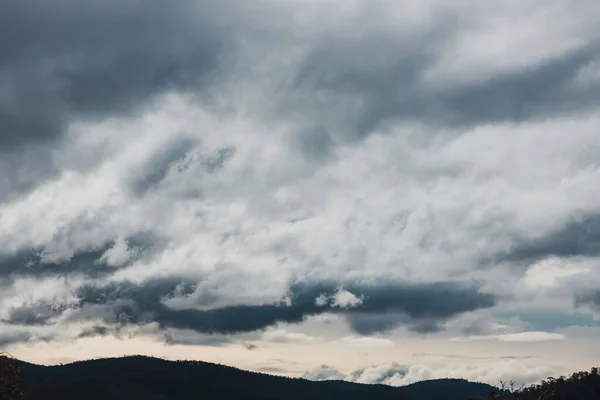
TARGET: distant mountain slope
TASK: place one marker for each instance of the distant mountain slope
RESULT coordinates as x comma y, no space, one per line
583,385
149,378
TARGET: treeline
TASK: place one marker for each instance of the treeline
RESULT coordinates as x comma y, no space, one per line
583,385
10,378
148,378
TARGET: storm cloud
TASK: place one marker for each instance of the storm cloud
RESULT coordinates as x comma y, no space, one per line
69,60
393,88
438,301
128,303
579,236
207,171
589,298
77,61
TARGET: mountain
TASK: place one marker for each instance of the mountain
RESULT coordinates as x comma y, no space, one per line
140,377
582,385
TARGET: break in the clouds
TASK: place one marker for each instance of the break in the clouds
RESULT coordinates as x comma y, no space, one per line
210,170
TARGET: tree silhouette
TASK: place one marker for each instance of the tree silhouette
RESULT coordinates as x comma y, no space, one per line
10,380
579,386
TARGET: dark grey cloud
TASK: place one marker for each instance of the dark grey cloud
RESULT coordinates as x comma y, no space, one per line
377,79
578,237
8,337
316,143
368,324
23,169
544,320
29,263
588,298
158,165
180,155
84,263
192,338
37,314
127,303
426,326
96,330
249,346
67,60
424,308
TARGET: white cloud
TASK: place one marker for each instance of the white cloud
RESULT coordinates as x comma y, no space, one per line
510,36
490,373
580,332
283,336
364,342
547,273
378,374
388,207
119,254
338,141
345,299
519,337
324,373
341,299
398,375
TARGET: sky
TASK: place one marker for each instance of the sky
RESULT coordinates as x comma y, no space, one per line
371,190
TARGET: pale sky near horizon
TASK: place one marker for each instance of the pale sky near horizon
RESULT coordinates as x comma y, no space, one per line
372,190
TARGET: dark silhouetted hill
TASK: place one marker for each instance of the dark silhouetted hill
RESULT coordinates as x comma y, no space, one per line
139,377
579,386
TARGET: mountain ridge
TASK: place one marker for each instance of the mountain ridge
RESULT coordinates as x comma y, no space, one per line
138,376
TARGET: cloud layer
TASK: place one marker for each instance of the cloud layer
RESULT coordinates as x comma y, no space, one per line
399,375
426,168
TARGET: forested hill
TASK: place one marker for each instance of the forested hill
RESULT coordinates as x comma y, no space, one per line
147,378
579,386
